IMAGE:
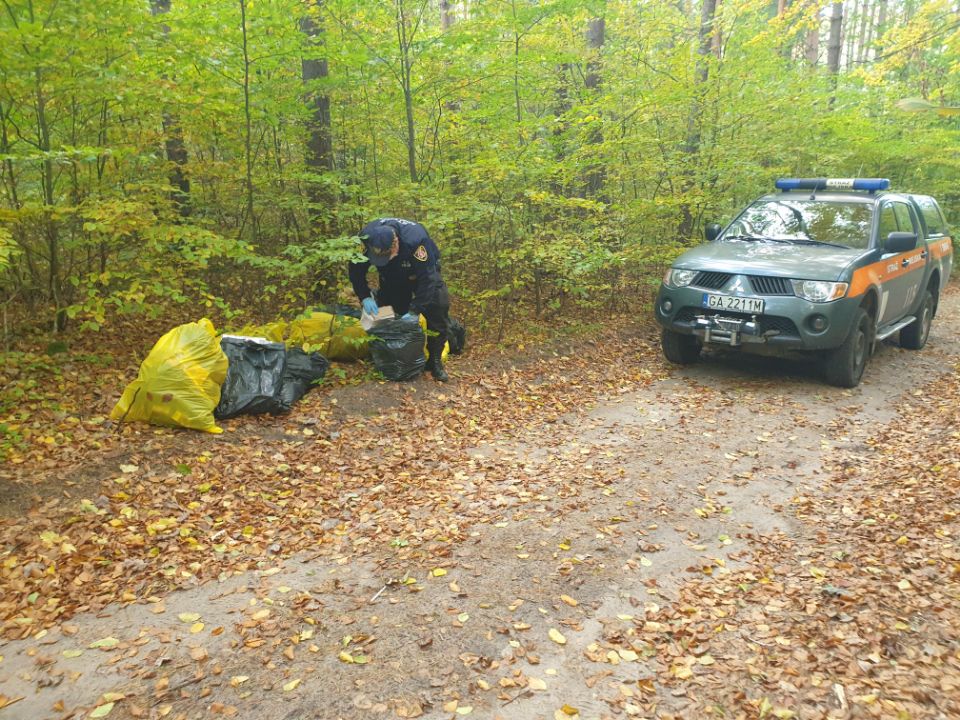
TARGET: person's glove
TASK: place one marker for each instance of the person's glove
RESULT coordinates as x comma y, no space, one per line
411,317
370,306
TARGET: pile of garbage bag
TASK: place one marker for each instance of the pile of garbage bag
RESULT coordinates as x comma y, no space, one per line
265,377
192,377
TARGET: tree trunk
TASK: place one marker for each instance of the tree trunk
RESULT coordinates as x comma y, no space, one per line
811,45
692,145
595,36
319,155
249,216
406,82
834,44
866,17
175,148
446,18
881,25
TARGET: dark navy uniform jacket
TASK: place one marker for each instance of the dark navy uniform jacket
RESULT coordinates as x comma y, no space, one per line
413,275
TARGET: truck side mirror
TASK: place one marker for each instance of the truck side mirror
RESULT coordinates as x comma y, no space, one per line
711,231
898,242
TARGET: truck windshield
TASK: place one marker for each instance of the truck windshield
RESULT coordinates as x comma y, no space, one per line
804,221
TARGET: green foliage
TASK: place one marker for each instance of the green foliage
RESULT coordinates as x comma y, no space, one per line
549,194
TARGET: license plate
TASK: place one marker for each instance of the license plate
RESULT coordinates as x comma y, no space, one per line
733,303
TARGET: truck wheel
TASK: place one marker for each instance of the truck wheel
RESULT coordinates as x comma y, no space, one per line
680,349
914,336
844,366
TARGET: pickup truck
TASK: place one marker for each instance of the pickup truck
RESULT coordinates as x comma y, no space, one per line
824,267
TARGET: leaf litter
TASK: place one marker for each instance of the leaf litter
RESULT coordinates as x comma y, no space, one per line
860,606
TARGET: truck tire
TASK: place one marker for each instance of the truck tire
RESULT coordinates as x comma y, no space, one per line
914,336
843,367
680,349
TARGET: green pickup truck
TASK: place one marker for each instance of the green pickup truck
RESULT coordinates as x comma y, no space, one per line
824,267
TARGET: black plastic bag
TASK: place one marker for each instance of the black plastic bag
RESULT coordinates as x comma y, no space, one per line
254,377
303,370
456,336
397,348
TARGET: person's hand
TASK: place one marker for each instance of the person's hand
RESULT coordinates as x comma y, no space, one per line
411,317
370,306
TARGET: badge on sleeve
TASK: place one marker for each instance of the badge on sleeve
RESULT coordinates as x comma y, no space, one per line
420,254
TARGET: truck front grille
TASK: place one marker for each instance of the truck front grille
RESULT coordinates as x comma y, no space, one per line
771,285
710,280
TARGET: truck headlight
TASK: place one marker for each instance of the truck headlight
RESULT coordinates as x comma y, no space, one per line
819,290
679,278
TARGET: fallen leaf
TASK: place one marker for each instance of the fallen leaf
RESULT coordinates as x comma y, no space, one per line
291,685
189,617
104,643
102,711
557,636
569,600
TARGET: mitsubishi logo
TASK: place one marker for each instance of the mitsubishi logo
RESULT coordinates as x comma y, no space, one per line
737,286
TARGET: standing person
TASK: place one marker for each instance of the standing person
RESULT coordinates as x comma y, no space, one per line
408,263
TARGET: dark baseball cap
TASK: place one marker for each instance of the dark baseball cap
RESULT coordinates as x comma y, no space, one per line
378,244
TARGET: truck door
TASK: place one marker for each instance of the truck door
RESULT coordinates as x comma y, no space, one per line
904,272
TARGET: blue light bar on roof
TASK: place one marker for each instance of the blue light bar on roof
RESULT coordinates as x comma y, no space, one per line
871,184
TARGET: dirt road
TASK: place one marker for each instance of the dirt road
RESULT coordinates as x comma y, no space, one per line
543,568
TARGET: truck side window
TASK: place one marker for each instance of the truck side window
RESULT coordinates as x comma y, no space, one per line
905,218
888,222
932,216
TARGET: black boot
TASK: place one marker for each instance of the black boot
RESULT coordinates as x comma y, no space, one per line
436,369
439,374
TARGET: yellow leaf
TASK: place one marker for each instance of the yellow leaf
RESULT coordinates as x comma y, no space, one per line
104,643
438,572
681,672
102,711
463,617
291,685
465,710
557,636
346,657
628,655
536,684
706,659
189,617
569,600
238,680
570,711
904,584
72,653
196,627
112,697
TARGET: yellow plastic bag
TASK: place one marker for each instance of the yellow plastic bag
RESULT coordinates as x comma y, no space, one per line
337,337
426,350
179,383
274,332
